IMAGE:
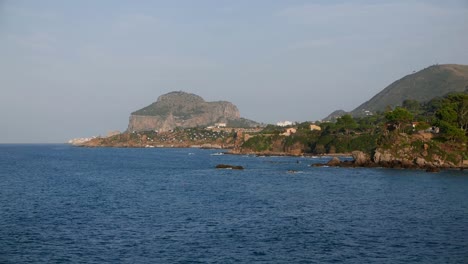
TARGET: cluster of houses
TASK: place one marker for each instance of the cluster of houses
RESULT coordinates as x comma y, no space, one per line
217,125
291,130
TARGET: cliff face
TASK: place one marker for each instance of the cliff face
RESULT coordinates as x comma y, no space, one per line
180,109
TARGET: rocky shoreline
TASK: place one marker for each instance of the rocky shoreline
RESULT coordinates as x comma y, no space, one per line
412,156
379,160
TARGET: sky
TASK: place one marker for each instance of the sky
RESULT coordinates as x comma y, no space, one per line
79,68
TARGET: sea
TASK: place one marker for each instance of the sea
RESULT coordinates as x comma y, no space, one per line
65,204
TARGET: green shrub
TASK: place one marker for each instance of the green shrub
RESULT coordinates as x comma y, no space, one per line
258,143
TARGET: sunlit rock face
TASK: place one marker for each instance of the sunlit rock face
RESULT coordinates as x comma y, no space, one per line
180,109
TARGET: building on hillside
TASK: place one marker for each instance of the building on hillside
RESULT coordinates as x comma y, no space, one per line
315,127
284,123
433,130
289,131
218,125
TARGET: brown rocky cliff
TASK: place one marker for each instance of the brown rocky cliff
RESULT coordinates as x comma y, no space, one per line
180,109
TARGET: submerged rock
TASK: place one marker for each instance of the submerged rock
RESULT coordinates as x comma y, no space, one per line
226,166
433,169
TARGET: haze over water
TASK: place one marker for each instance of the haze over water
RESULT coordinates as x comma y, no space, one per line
61,204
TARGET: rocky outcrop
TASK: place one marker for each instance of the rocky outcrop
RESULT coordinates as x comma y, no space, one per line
180,109
404,158
335,161
226,166
360,158
408,159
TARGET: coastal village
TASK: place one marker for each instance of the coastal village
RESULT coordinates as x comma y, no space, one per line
217,136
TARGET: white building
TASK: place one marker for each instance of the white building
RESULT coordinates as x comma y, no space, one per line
284,123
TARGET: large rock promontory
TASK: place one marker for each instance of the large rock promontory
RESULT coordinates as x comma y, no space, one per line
184,110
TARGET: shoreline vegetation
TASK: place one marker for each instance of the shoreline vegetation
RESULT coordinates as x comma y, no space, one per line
429,136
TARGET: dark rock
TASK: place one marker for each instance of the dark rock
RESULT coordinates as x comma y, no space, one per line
407,164
395,164
334,162
317,165
226,166
347,164
432,169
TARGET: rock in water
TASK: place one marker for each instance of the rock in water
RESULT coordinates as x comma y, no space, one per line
334,162
226,166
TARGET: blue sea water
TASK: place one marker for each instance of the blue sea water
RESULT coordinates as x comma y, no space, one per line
62,204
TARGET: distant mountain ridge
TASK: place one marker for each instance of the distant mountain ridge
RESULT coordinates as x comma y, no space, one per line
181,109
422,86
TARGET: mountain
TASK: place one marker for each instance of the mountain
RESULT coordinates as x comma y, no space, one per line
422,86
181,109
336,114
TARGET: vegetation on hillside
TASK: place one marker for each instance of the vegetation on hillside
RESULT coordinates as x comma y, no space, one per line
421,86
178,137
445,119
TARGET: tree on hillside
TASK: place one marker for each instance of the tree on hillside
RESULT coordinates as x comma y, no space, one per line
452,117
447,113
412,105
451,132
346,123
454,110
304,126
398,117
460,102
369,124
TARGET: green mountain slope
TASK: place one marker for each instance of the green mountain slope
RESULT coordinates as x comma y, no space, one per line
422,86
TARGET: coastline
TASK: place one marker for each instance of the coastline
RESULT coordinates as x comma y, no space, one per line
387,157
334,161
287,154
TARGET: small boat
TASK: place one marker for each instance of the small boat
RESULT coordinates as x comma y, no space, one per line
217,154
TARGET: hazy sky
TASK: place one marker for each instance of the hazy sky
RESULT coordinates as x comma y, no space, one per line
79,68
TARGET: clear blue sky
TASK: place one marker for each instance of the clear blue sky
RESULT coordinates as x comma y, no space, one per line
79,68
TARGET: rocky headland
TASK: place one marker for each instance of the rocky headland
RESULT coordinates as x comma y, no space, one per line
184,110
177,138
402,151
